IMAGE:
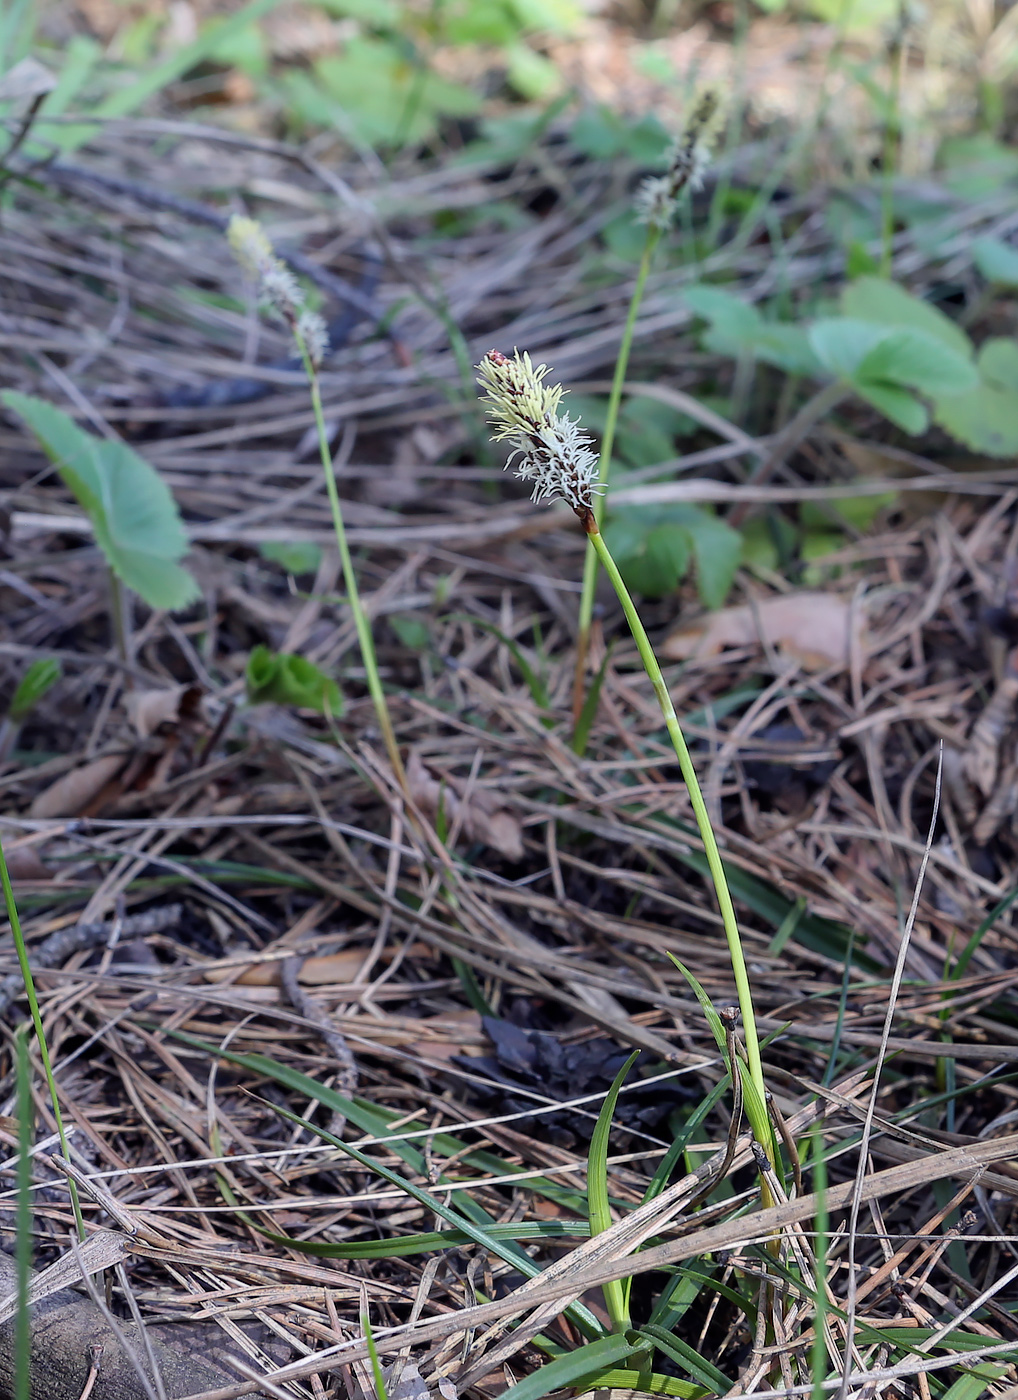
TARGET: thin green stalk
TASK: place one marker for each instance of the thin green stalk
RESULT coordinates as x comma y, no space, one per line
361,623
819,1359
278,286
703,822
891,146
40,1034
607,445
23,1232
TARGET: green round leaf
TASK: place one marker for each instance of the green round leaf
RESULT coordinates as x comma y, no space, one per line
841,343
996,260
918,360
133,514
883,303
986,417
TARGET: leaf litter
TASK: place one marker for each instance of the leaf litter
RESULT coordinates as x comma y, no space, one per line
486,1001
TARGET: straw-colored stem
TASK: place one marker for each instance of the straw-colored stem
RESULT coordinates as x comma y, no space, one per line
361,623
607,447
703,822
40,1034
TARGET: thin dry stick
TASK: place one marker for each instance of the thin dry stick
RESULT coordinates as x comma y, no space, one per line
871,1107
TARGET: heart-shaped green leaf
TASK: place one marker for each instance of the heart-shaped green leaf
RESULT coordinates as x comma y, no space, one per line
996,260
920,362
884,303
985,418
135,519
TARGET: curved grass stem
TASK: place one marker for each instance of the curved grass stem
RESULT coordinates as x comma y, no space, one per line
761,1129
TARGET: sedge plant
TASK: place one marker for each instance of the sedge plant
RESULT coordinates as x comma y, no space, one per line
40,1033
280,290
657,204
551,451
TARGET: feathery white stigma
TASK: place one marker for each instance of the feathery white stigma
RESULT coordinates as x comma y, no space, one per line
657,199
552,451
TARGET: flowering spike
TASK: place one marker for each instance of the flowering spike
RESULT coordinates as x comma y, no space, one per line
277,285
551,449
657,200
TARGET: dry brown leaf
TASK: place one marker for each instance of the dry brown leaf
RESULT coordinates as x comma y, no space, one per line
481,818
84,790
335,969
330,970
23,863
814,628
152,711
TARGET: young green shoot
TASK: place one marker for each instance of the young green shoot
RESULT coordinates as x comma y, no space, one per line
40,1034
23,1232
280,289
551,452
657,204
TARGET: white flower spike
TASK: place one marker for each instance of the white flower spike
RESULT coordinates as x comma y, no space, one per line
278,286
657,200
554,453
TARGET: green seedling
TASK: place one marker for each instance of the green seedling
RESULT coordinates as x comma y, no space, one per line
282,679
296,556
40,677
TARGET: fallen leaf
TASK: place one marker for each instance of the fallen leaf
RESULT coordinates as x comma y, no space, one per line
330,970
814,628
337,968
82,791
23,863
153,711
482,817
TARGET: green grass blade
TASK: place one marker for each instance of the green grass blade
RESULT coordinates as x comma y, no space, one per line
534,683
598,1205
40,1033
502,1249
129,98
756,1109
819,1359
23,1219
681,1140
381,1390
567,1370
683,1355
375,1122
648,1383
588,711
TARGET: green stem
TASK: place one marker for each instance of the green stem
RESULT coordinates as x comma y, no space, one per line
607,445
364,637
119,610
23,1247
889,159
703,822
40,1034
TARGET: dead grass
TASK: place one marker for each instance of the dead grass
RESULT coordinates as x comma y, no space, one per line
278,838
